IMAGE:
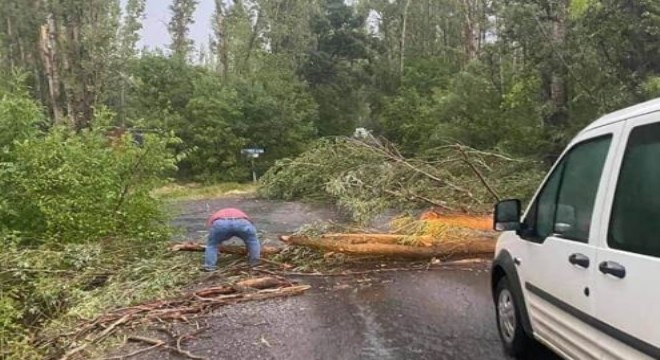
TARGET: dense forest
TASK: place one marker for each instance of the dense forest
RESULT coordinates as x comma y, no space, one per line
519,76
91,124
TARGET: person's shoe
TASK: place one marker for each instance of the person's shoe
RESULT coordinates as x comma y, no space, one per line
254,263
208,269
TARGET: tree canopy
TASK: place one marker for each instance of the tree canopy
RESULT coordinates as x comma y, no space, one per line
518,76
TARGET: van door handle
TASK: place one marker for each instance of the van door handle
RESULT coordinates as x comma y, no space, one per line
612,268
580,260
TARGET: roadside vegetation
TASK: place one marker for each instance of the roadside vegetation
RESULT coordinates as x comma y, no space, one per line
370,105
196,191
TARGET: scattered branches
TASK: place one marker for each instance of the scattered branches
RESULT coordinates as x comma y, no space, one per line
194,303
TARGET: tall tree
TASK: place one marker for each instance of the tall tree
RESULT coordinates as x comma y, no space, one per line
238,29
131,26
179,27
78,46
335,69
219,41
288,27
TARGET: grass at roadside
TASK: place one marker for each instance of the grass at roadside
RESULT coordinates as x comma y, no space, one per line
199,191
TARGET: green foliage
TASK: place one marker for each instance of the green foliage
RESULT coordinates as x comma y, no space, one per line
216,119
194,191
20,119
366,177
335,68
306,176
69,187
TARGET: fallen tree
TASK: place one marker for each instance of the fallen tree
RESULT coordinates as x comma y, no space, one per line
451,249
368,175
391,239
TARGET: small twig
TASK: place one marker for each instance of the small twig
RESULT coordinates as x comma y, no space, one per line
185,337
134,353
166,331
156,343
112,327
476,171
102,335
147,340
74,351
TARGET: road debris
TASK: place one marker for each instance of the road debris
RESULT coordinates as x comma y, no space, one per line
194,303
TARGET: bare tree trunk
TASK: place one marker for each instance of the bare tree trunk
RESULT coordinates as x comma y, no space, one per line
253,39
404,24
49,58
221,51
557,84
10,36
469,28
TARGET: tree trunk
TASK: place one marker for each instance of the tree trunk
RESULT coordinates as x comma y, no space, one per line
404,25
354,239
557,84
469,29
10,43
49,58
454,249
557,118
221,51
253,40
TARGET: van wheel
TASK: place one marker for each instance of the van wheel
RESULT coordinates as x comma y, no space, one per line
516,342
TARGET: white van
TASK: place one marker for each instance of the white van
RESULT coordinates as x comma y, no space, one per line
577,272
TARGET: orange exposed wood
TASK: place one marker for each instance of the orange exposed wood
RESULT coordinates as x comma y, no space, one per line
483,223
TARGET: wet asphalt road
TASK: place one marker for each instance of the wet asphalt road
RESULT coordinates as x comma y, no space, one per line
439,314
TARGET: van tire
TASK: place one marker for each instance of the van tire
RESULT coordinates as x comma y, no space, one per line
514,339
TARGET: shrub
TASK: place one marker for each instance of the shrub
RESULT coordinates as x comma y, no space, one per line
77,187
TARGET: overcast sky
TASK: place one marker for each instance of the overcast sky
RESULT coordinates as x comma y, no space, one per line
154,32
154,26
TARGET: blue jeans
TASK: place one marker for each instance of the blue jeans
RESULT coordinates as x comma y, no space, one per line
223,230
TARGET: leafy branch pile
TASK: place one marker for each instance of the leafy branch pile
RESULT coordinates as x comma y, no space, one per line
369,175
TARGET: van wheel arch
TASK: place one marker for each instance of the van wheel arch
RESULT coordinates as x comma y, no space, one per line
504,267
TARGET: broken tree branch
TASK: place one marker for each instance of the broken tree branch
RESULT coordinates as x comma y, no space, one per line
478,173
226,249
134,353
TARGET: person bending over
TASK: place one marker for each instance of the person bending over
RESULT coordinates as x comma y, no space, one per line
225,224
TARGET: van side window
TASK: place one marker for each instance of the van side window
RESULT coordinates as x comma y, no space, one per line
635,220
565,204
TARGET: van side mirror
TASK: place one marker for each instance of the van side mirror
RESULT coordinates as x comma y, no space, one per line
507,215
